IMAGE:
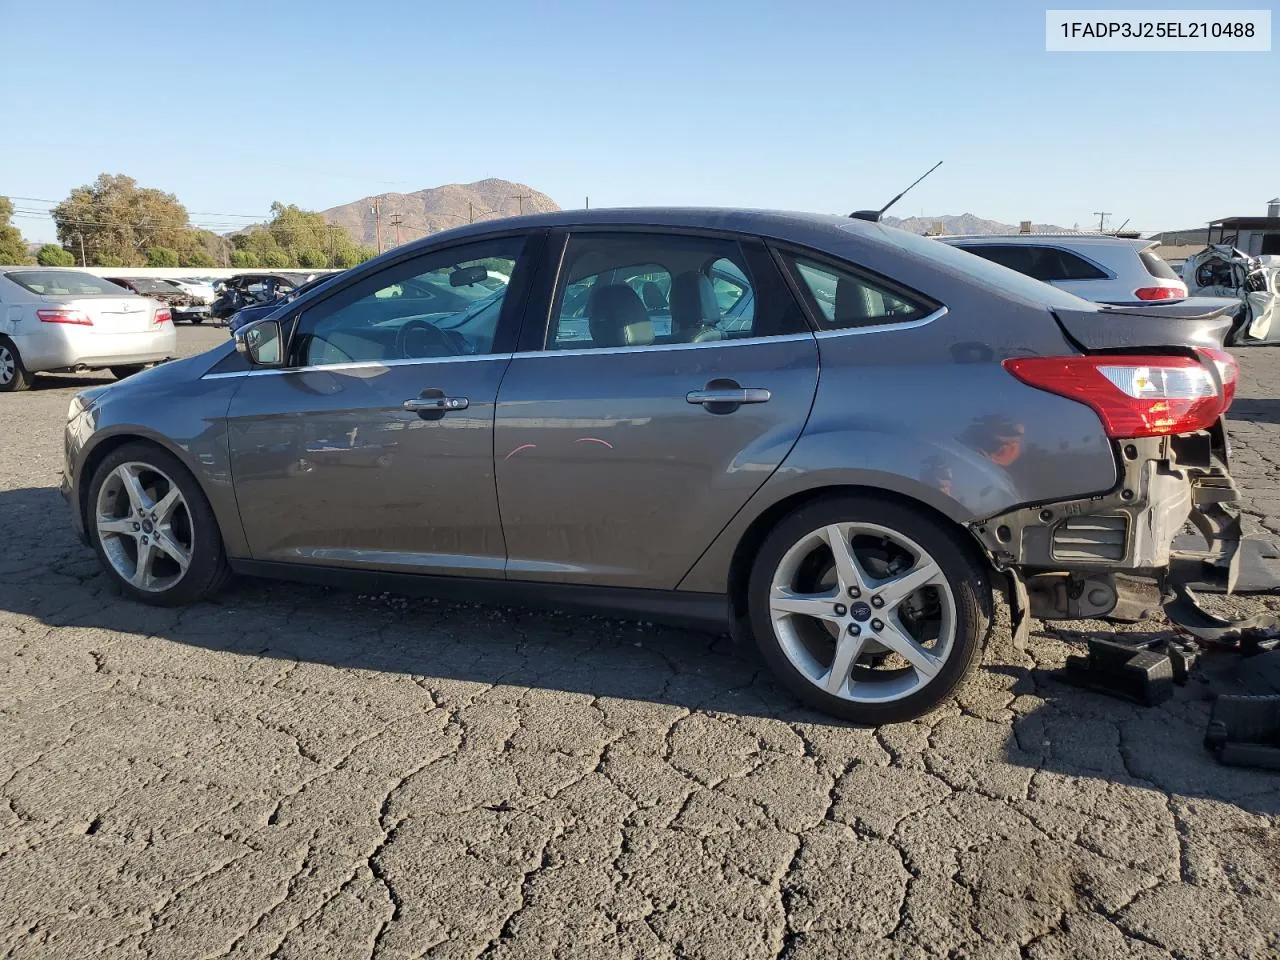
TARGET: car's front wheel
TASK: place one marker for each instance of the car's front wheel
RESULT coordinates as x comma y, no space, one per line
866,609
153,529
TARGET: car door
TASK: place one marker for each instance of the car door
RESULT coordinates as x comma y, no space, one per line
374,447
628,434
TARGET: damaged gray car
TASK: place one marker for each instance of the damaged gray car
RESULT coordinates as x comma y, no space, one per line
825,433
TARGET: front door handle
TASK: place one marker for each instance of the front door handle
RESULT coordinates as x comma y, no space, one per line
436,404
734,395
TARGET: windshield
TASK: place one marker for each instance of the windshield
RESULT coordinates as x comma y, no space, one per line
990,274
65,283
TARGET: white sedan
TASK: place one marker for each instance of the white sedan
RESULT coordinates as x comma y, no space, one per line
55,320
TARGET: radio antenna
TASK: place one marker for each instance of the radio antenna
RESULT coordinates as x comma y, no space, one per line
875,215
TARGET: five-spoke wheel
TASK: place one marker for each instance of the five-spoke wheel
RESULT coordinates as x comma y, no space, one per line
153,527
144,526
867,609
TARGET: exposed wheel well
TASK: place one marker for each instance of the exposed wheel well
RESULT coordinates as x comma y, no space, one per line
745,553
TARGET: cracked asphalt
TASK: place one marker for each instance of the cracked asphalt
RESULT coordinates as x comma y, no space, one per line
298,772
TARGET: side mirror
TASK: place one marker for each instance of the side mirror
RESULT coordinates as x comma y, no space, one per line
262,342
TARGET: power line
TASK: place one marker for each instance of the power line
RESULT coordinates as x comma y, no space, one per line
192,213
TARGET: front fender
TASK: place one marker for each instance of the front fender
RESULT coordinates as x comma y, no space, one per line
187,419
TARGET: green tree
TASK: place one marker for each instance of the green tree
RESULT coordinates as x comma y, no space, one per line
245,258
119,220
52,255
365,253
277,259
347,257
13,249
312,258
162,257
199,258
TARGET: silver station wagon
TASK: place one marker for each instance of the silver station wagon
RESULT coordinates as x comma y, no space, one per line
823,433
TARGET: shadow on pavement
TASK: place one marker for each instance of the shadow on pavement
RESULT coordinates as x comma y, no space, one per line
1070,731
1083,734
54,381
1256,411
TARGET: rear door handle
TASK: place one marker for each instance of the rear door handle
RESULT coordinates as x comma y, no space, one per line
432,404
733,395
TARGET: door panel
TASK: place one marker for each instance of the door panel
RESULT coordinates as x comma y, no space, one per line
375,448
330,468
607,474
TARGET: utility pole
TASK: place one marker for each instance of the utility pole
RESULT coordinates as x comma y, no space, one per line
1102,218
80,237
588,203
471,212
396,220
376,209
521,198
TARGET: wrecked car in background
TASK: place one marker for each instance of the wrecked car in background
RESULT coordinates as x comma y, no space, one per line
182,305
1222,270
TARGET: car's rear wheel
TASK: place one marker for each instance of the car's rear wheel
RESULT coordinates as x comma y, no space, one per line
13,375
153,529
127,370
866,609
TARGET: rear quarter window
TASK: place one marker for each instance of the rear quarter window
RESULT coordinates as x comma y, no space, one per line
1156,266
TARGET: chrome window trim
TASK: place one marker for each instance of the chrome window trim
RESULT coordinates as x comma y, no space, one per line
656,347
884,327
353,365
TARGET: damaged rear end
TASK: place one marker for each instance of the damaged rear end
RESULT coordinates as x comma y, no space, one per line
1160,383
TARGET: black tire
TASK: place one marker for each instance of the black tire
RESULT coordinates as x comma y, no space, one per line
128,370
13,375
208,571
967,576
197,319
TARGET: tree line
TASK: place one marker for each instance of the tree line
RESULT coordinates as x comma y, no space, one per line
113,222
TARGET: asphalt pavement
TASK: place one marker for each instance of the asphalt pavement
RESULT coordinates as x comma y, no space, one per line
300,772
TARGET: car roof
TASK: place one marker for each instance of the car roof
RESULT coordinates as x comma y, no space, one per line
1062,239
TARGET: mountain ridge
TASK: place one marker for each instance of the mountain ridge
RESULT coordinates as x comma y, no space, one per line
433,209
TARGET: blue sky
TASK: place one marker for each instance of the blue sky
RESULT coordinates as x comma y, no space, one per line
809,105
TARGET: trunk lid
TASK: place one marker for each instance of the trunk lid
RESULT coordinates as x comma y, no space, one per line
1187,323
126,314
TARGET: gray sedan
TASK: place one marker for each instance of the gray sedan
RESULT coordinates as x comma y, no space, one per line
823,433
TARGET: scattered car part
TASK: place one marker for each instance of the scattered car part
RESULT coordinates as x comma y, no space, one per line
1143,670
1245,731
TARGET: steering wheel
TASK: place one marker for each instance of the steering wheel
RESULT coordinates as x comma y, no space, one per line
418,339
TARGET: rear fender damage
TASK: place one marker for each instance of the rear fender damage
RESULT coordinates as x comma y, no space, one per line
1112,554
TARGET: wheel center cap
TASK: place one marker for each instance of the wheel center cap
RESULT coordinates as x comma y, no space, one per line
147,528
861,612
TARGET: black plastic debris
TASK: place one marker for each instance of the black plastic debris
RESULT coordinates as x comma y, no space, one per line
1245,731
1249,635
1142,670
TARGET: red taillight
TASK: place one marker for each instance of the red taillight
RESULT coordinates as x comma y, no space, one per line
1228,372
1134,396
1160,293
60,315
162,316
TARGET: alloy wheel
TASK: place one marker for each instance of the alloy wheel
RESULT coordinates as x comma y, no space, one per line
8,365
144,525
863,612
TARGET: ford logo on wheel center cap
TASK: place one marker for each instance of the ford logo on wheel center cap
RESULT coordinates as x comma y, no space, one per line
861,612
